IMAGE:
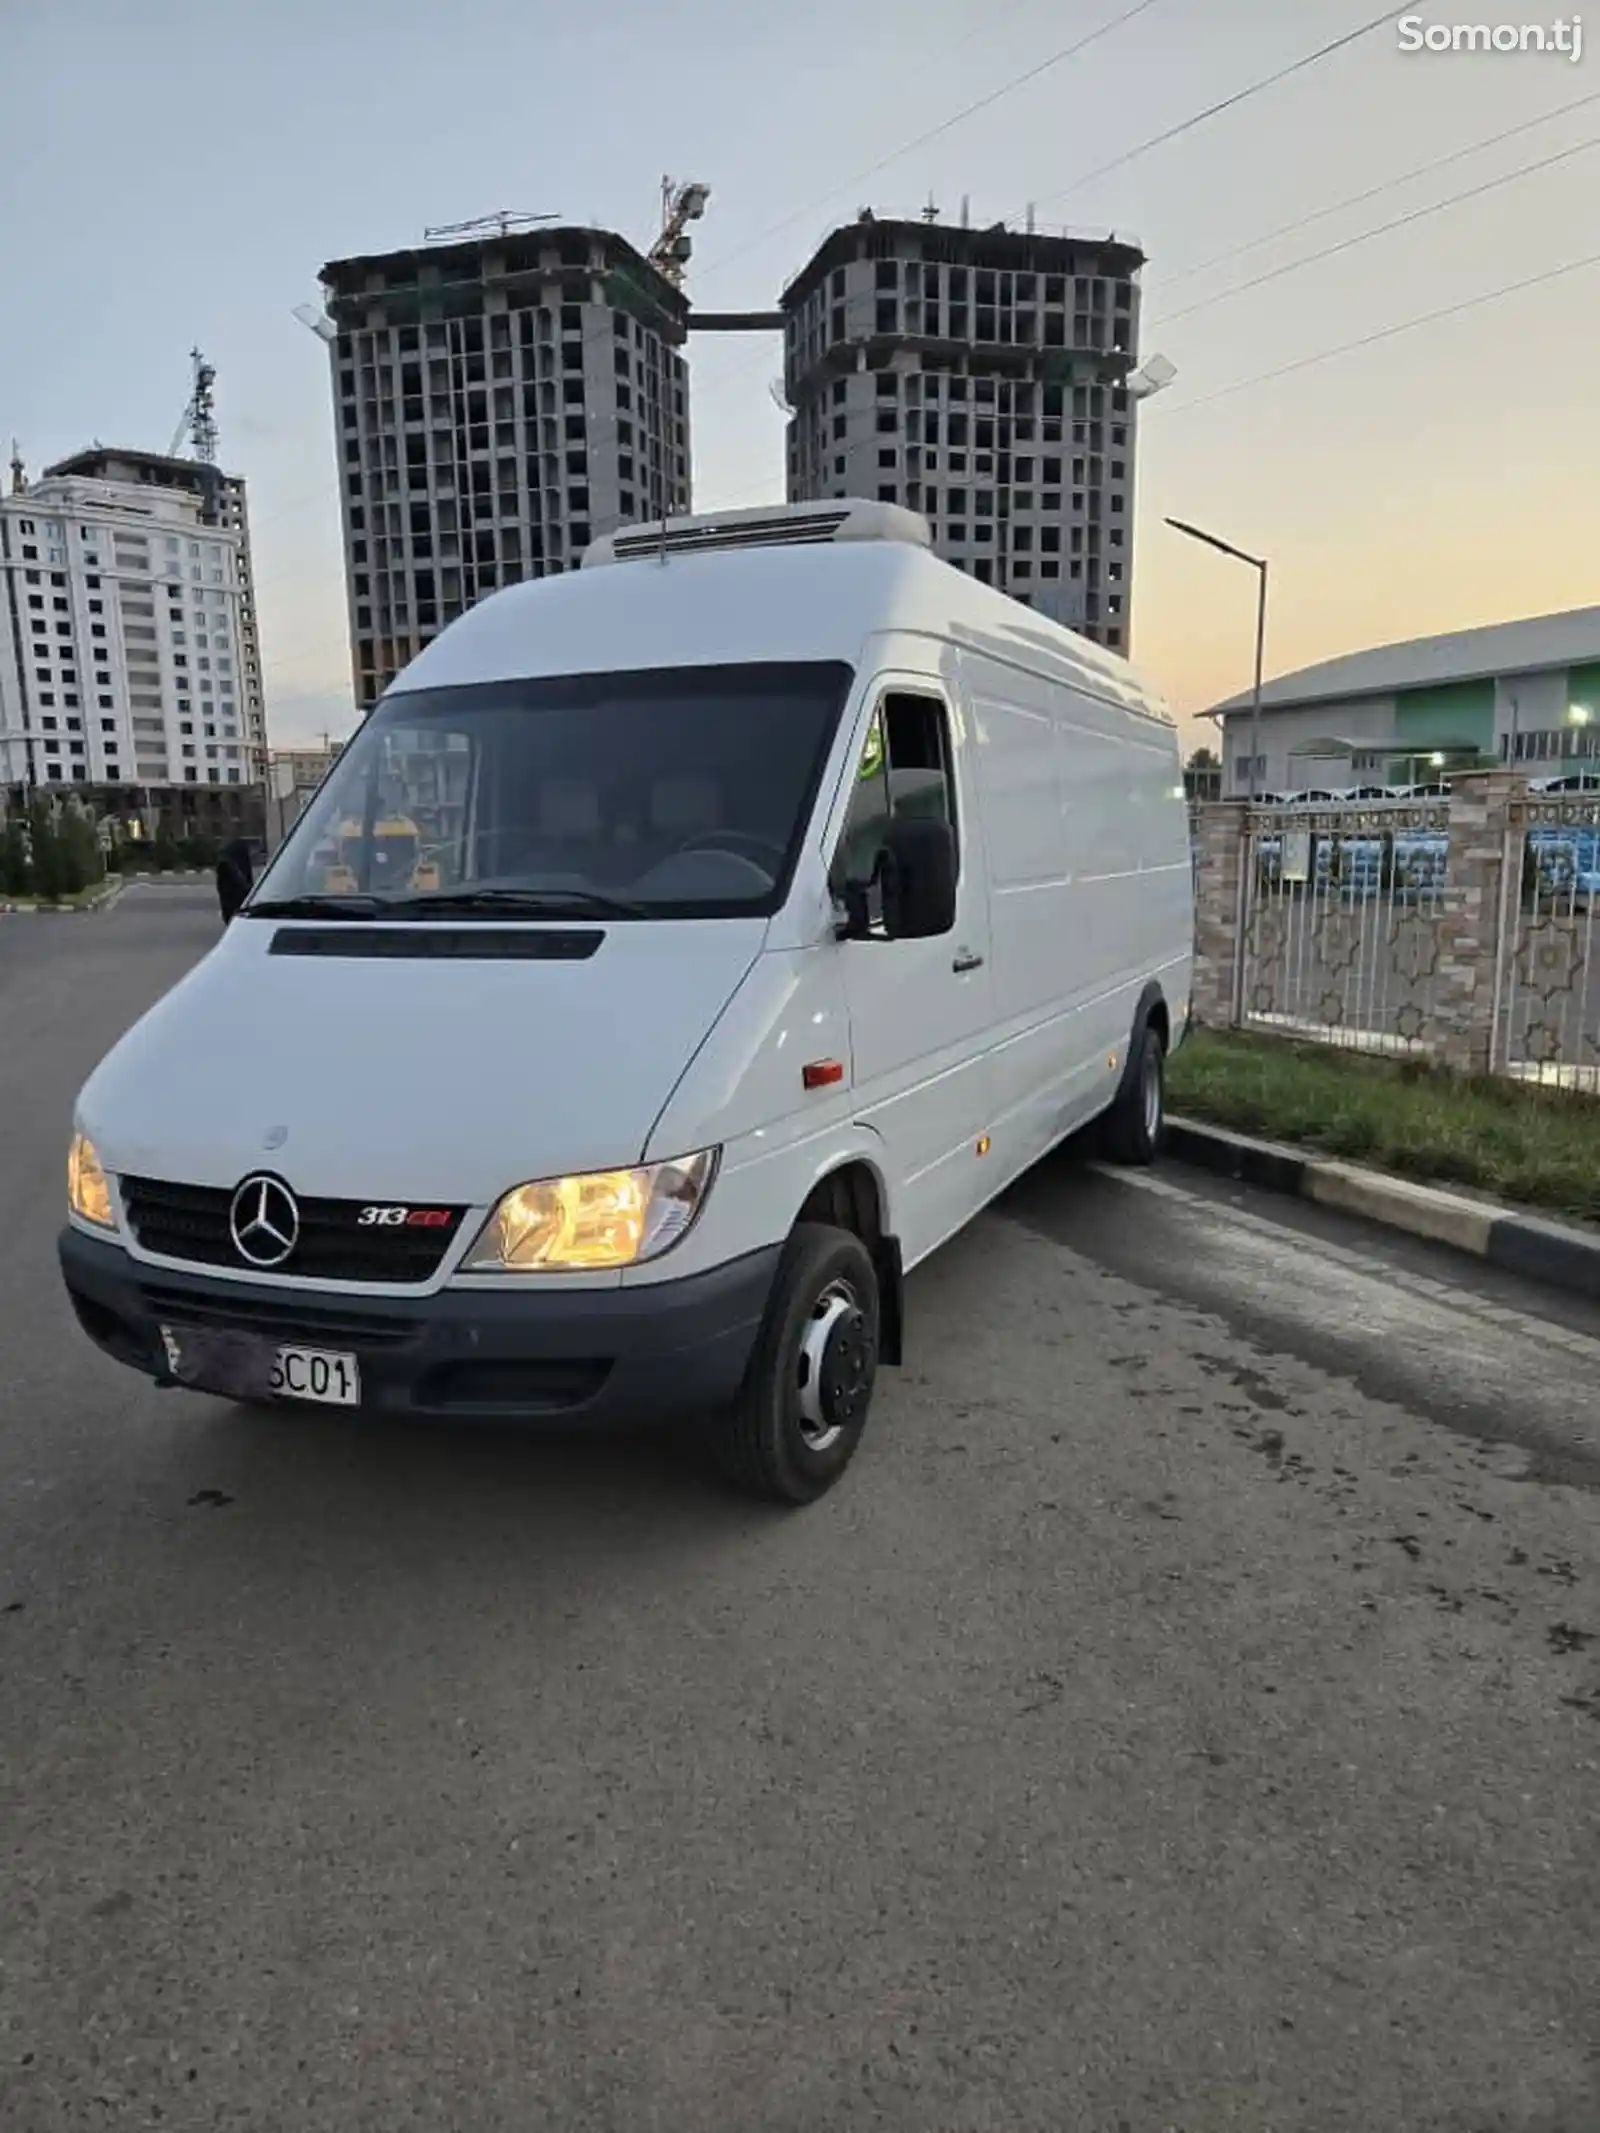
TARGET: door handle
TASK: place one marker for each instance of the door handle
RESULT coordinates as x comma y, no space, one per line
966,960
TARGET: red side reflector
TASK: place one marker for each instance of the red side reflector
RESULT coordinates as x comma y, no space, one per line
822,1073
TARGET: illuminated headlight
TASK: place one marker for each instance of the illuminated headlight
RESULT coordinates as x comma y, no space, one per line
605,1219
88,1188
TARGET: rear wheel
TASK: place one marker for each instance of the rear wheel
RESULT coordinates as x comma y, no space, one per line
1131,1130
802,1409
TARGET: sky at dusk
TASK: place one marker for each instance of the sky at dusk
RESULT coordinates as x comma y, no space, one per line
176,173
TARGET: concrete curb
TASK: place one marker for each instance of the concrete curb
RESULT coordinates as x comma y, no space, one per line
102,902
1560,1256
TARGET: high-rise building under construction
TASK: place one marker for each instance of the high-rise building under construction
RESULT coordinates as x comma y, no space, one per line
978,376
498,401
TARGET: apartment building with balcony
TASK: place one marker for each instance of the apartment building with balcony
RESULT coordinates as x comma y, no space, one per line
129,651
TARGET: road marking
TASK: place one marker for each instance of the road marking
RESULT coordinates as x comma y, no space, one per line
1548,1332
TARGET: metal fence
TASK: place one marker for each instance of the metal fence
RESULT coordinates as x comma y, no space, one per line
1340,932
1547,989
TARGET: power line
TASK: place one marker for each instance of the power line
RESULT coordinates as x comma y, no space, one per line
1421,170
1309,59
1129,155
982,103
1387,333
1228,103
1400,222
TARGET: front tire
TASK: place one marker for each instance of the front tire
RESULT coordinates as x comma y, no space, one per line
801,1411
1132,1128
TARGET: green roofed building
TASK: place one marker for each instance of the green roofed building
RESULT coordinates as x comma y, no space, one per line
1525,693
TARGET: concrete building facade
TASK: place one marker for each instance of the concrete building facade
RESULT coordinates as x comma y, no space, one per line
977,376
129,652
291,778
1525,694
497,403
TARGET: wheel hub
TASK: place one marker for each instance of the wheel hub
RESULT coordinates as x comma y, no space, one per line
1152,1096
835,1372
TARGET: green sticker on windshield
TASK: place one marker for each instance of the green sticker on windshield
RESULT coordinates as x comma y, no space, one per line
872,755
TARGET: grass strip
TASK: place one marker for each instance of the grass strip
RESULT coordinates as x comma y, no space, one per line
1533,1147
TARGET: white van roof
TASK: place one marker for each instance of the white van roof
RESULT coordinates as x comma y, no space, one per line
735,606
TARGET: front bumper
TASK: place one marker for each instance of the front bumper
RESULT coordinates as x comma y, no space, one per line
590,1357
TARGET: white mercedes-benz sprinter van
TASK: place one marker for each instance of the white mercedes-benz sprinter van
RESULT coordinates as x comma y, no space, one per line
681,950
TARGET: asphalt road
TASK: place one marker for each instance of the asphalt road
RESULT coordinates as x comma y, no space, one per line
1185,1715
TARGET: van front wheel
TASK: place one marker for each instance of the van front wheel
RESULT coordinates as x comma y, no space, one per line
1131,1130
799,1416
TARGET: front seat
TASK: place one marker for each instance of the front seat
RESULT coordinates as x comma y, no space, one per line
567,837
683,807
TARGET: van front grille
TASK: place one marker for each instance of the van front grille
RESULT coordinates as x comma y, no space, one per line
192,1223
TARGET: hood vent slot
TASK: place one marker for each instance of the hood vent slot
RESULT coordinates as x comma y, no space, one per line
427,943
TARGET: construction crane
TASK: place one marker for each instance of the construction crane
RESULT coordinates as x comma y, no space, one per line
499,224
680,205
198,421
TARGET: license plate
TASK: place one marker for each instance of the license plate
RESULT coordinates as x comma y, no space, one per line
242,1366
317,1374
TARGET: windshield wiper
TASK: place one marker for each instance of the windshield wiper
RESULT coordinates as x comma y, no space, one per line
528,903
314,907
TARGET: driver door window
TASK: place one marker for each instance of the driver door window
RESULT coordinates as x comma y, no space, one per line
904,770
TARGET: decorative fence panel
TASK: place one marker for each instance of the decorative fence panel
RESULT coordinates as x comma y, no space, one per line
1340,939
1548,977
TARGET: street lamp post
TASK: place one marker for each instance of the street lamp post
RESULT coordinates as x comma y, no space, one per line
1258,565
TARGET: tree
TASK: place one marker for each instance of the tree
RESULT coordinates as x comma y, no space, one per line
45,842
1203,759
16,871
79,861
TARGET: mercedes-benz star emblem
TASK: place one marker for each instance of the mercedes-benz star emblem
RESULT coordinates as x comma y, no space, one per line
265,1221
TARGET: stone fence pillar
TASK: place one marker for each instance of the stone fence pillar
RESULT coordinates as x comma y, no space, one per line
1219,850
1474,907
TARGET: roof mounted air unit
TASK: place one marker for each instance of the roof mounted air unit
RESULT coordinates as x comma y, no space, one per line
845,518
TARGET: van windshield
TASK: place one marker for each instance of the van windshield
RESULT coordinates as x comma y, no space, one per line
668,793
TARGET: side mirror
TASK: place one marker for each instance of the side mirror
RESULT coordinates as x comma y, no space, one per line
917,871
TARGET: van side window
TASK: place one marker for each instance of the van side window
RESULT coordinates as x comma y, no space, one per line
905,770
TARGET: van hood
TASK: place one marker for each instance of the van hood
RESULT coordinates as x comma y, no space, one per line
422,1077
